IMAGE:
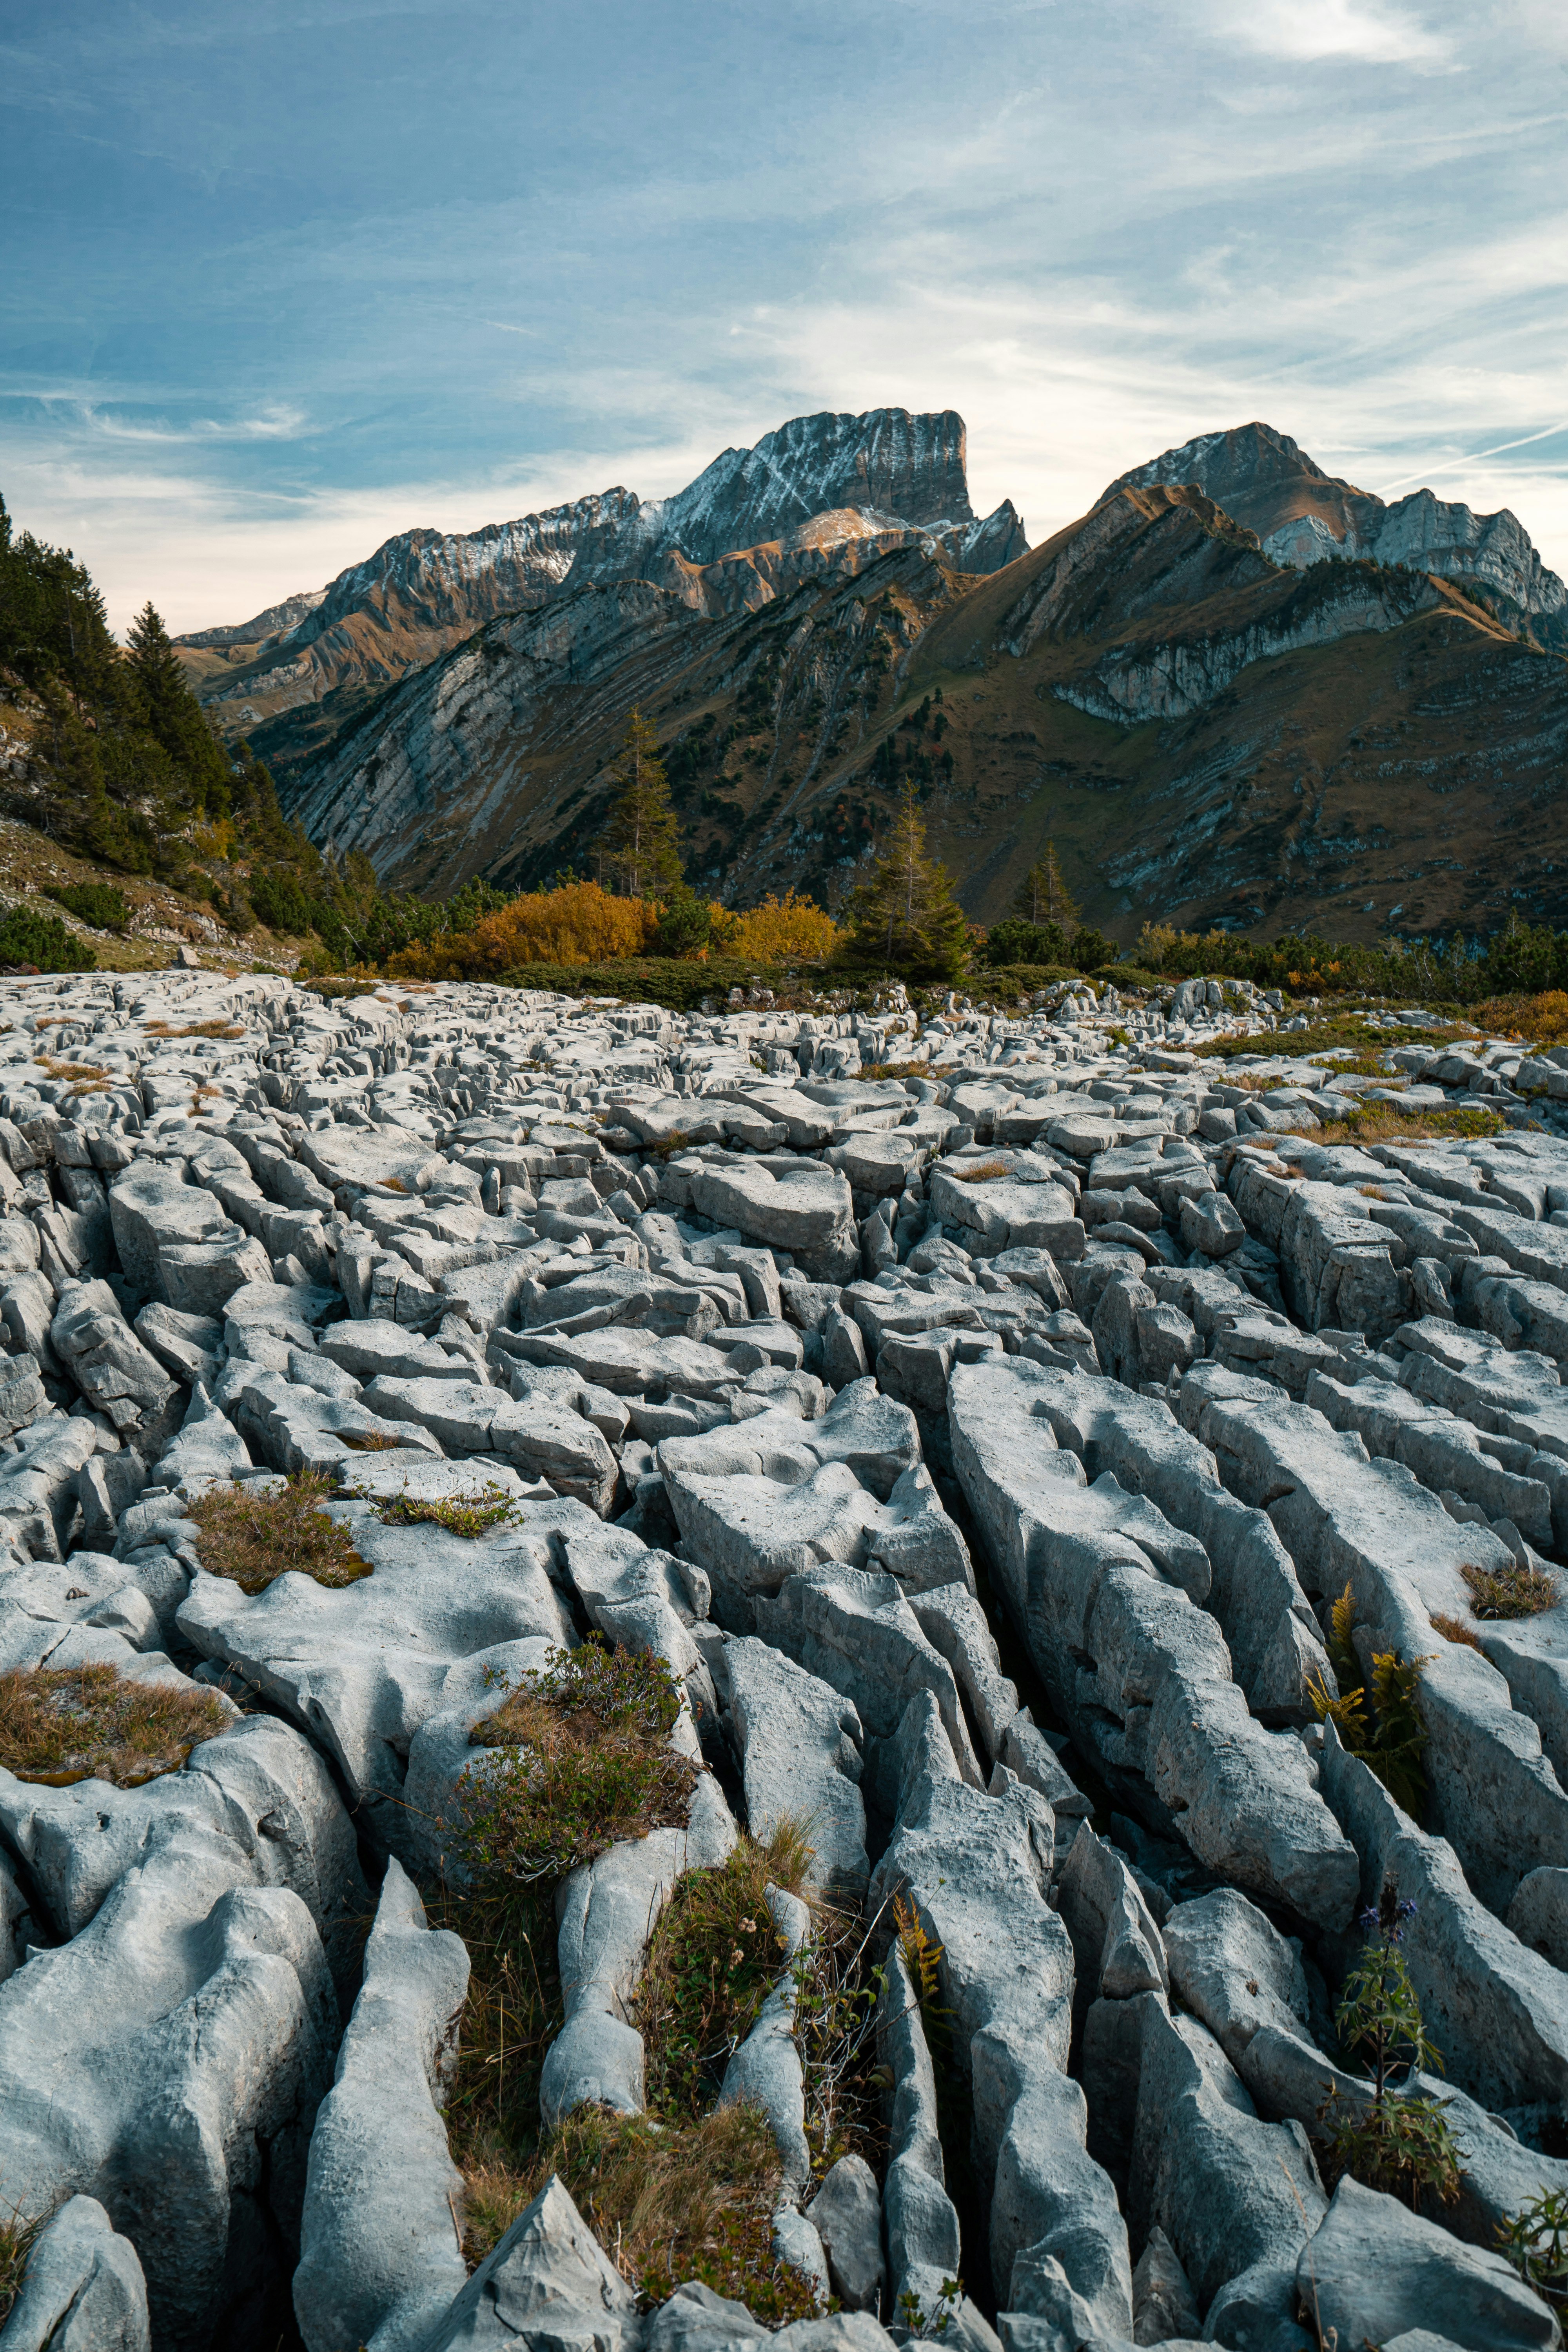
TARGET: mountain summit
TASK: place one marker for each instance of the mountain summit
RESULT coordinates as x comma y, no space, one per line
1266,481
819,496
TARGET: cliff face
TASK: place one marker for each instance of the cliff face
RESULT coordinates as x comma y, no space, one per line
1302,516
1207,734
879,479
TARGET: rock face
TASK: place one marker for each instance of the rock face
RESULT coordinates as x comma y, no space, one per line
816,484
1121,1401
794,678
1303,516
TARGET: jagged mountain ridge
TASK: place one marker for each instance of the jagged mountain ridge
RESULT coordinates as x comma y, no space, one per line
1209,735
878,477
1303,515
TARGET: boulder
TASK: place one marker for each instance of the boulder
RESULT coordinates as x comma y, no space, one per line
799,1742
380,2253
1373,2271
83,2290
548,2283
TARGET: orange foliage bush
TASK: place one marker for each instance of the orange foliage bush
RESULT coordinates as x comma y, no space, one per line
579,924
780,930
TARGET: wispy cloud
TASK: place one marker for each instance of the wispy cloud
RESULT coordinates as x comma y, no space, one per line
1310,30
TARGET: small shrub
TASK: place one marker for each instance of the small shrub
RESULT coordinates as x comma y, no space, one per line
1502,1593
1535,2241
27,937
1386,1730
97,903
461,1515
1403,2143
72,1723
790,930
585,1762
253,1538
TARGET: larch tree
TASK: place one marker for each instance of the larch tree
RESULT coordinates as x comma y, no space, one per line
641,858
904,915
1043,896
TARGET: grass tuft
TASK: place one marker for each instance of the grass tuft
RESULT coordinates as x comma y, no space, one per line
461,1515
1511,1591
253,1538
75,1723
982,1174
1454,1629
584,1762
17,2239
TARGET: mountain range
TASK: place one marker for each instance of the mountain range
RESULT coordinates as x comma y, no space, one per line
1239,691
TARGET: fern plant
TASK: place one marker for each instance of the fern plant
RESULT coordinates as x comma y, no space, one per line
1383,1727
1402,2142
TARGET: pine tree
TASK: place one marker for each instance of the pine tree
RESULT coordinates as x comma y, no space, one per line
174,718
641,858
1043,896
905,916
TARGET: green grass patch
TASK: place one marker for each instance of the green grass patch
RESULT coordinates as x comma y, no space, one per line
59,1725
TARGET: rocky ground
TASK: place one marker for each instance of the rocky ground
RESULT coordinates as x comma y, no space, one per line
981,1444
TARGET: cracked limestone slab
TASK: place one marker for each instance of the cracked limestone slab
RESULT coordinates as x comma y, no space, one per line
1086,1572
360,1667
800,1746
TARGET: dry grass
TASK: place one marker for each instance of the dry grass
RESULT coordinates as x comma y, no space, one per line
667,2203
1453,1629
194,1029
74,1070
1534,1020
254,1538
17,2241
878,1070
369,1441
74,1723
1506,1592
982,1174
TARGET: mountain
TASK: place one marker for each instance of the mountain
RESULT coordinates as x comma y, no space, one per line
1302,516
1208,734
276,620
814,498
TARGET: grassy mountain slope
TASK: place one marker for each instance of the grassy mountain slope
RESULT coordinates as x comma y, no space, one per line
1207,736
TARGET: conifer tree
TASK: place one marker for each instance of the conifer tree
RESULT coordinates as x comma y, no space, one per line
175,717
641,857
1043,896
905,915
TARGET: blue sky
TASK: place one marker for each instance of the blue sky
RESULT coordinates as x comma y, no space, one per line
282,281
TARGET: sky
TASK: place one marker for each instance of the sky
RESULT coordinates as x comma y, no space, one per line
281,281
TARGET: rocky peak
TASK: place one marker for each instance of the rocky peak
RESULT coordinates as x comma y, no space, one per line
1303,515
910,468
272,623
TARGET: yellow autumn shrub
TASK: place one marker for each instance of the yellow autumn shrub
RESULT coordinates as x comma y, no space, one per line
780,930
579,924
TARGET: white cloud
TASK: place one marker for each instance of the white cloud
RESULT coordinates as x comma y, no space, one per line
1306,31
